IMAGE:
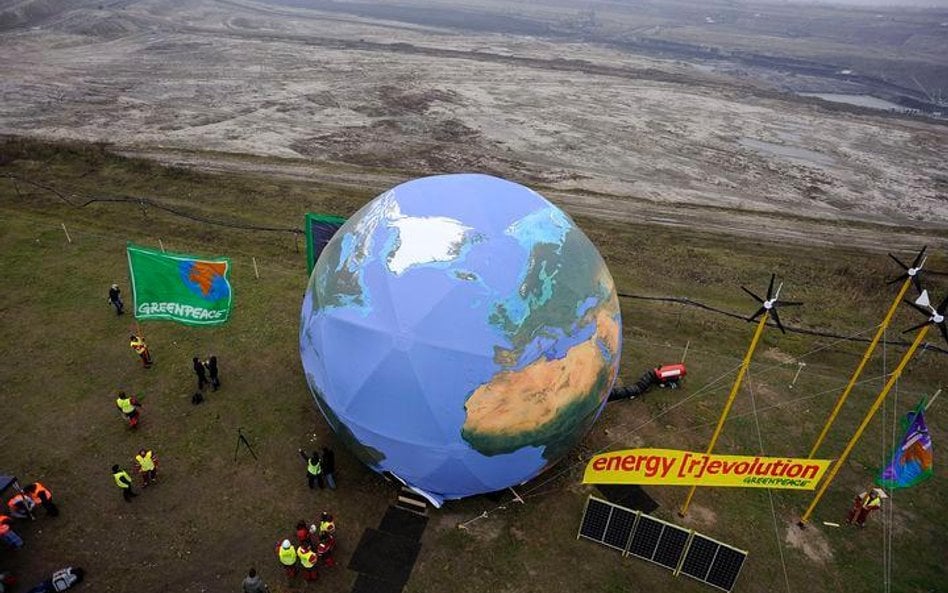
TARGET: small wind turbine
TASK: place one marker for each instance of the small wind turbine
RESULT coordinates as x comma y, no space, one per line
911,272
936,315
769,305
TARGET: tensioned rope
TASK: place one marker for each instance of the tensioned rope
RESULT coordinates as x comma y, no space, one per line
770,494
141,201
570,467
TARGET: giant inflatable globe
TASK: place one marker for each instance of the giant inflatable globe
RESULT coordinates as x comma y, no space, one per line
461,333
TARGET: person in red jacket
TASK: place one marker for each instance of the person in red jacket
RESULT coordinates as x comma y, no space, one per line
327,543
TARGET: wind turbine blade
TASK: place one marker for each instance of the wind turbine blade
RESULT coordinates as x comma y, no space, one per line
918,308
770,287
757,314
915,327
918,258
776,316
917,281
942,305
904,267
757,298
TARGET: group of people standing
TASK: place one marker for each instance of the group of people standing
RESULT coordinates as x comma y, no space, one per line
21,506
147,468
315,546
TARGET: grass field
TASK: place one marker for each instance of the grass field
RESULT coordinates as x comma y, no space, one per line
63,353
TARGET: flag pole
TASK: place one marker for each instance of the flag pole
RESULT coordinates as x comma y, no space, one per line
862,364
730,399
865,422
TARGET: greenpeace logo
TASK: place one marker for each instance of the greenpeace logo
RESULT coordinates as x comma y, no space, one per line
179,310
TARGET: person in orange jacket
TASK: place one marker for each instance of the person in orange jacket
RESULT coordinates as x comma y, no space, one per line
21,506
43,496
7,535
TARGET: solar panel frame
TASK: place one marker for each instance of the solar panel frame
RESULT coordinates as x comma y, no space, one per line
701,551
726,554
608,524
725,583
644,540
595,519
620,528
671,546
698,556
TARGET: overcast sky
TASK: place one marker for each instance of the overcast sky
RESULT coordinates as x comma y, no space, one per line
888,3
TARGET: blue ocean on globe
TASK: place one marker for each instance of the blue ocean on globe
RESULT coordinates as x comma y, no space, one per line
461,333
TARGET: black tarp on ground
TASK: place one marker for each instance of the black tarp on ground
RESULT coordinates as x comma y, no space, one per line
385,557
630,497
404,523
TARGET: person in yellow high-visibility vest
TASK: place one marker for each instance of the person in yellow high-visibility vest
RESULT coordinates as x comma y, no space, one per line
287,555
147,466
128,405
314,470
308,559
864,504
141,348
124,482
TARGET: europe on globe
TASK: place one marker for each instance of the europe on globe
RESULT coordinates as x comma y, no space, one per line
461,333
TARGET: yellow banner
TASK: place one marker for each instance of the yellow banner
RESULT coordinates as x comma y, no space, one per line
685,468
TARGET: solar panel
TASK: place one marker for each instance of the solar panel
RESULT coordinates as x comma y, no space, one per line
671,546
607,524
667,544
620,528
645,538
700,555
727,565
595,519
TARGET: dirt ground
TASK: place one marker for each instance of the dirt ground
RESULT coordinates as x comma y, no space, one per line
622,134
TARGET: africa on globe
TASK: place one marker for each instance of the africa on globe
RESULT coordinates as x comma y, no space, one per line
461,333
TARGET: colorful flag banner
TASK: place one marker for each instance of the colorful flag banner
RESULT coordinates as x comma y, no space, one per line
685,468
912,460
319,230
179,287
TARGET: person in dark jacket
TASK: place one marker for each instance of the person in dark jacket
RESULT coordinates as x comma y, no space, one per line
211,365
199,371
253,583
115,299
329,467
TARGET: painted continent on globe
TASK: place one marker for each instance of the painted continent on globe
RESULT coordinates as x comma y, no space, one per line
460,332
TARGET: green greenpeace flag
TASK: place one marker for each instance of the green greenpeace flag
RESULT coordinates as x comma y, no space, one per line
179,287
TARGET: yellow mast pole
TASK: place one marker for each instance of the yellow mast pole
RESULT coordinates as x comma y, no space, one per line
730,398
862,364
865,422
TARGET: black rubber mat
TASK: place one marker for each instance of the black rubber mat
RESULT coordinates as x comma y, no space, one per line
385,557
630,497
403,523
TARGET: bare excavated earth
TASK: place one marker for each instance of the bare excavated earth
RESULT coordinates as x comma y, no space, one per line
603,131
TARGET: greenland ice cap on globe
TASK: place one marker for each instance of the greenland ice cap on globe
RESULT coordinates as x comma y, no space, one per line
461,333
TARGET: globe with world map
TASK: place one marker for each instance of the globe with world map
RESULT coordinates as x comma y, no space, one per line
461,333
